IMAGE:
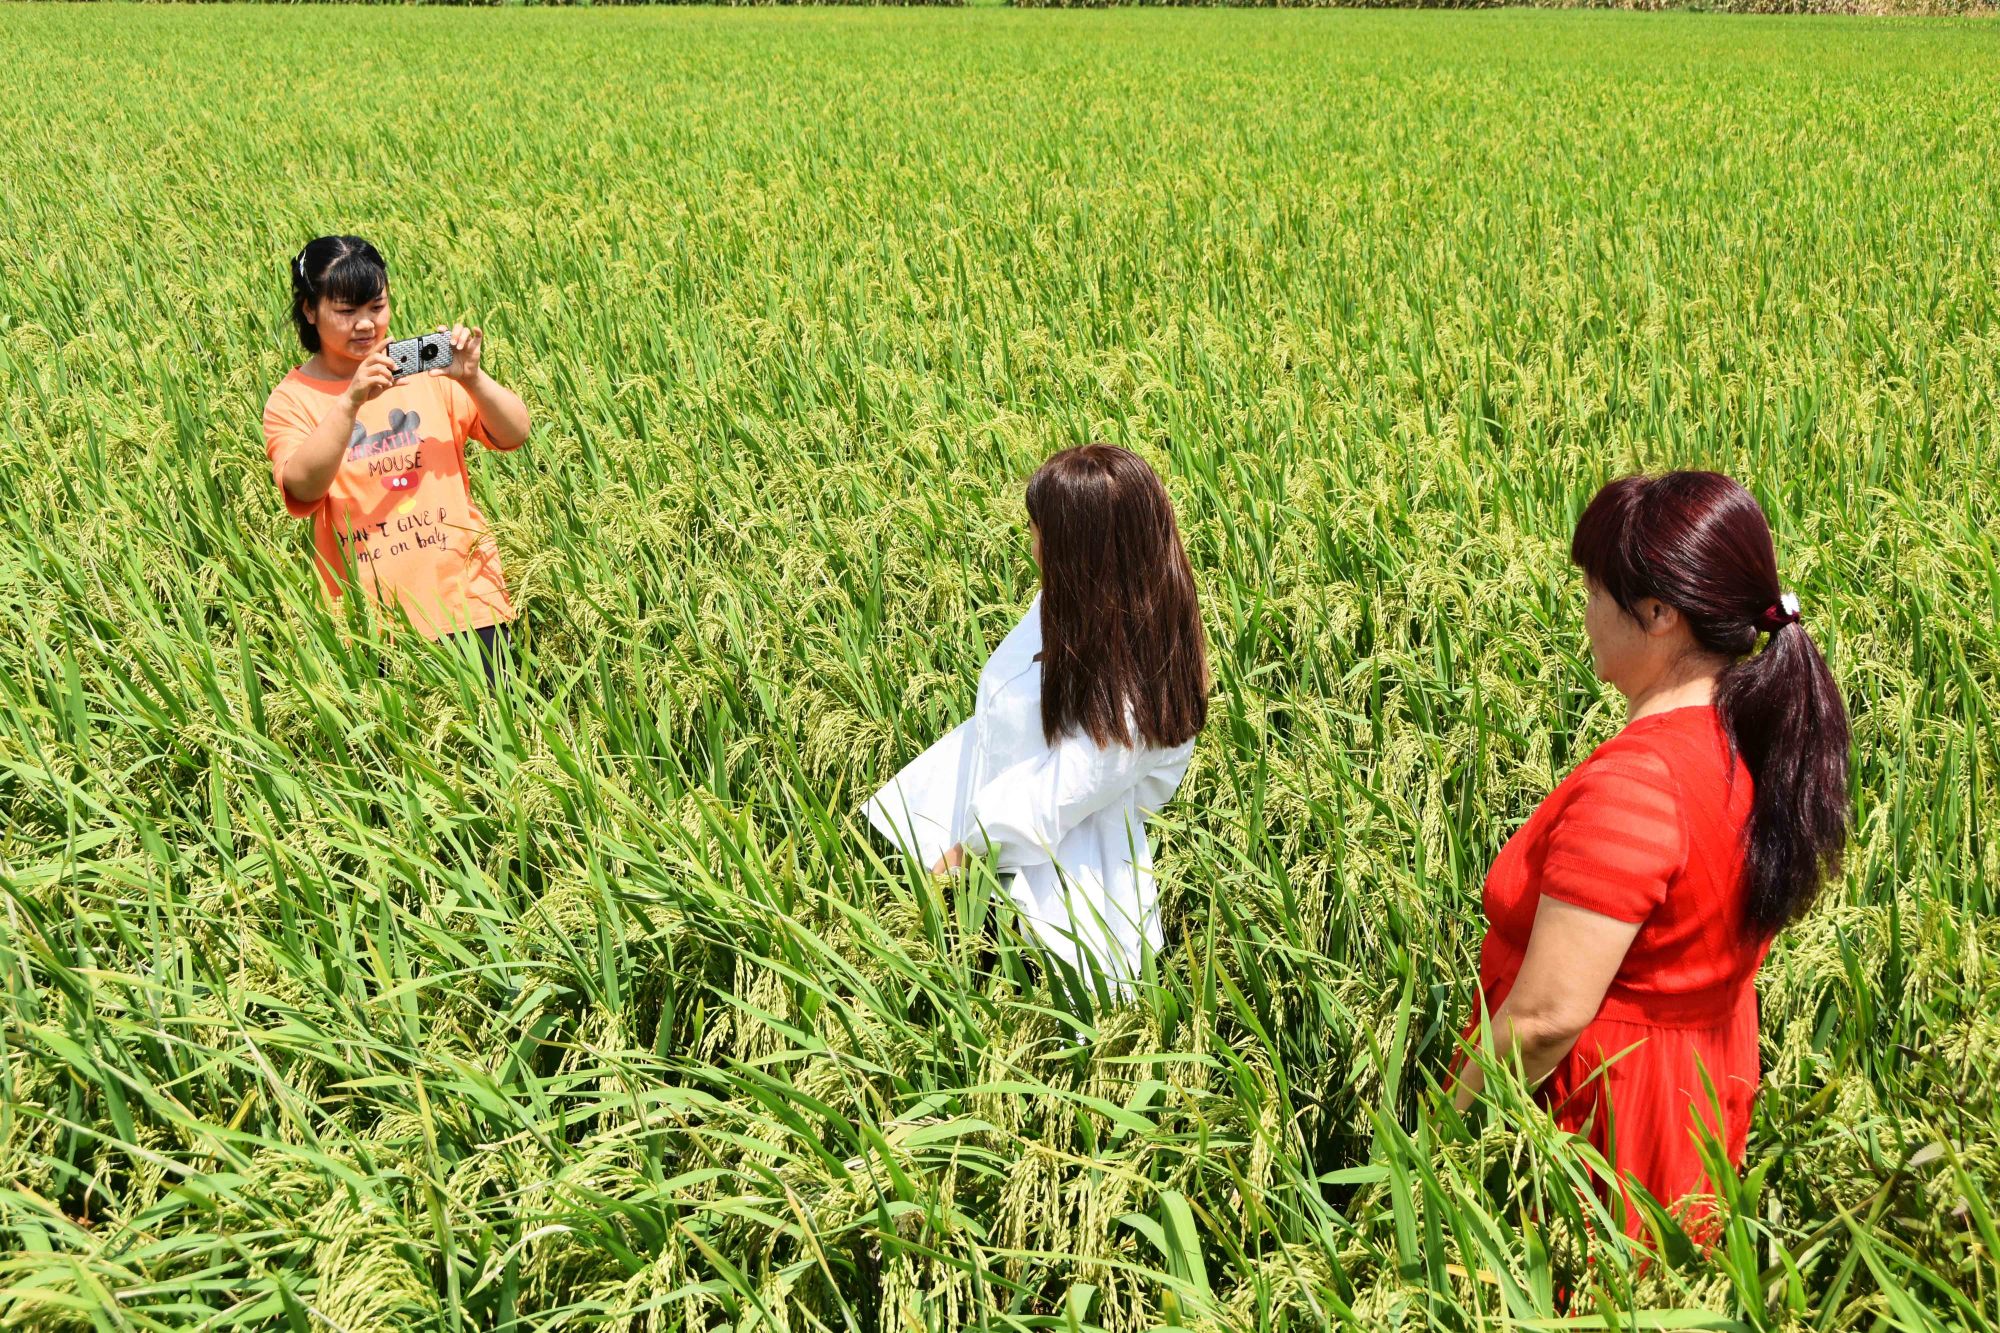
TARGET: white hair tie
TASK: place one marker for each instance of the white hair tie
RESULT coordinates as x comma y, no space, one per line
1786,612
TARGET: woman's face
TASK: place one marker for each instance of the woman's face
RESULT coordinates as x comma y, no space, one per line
1035,544
349,331
1629,650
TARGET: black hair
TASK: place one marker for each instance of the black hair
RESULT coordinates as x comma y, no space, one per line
341,268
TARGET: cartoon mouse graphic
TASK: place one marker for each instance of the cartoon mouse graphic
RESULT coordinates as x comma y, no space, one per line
401,434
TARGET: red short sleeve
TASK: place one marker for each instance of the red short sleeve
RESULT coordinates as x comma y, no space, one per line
1620,840
287,424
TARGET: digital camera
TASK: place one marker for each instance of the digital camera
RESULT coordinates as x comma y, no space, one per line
413,356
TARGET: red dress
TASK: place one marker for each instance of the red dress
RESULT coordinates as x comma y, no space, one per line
1648,829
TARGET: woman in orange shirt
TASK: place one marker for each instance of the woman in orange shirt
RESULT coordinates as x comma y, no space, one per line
1628,917
378,463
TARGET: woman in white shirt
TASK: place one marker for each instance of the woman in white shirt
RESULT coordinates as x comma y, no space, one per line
1086,717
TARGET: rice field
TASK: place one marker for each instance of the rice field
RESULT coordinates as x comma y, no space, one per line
339,995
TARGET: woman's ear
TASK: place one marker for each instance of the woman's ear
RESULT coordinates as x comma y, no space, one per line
1657,617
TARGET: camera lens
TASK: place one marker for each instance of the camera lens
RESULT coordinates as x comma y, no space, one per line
430,351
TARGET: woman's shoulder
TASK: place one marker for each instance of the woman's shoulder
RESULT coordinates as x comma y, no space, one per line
1008,665
295,403
1682,757
1640,756
298,386
302,376
1664,738
1019,646
1688,745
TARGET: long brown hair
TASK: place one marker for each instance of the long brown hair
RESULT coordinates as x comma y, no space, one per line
1699,542
1122,645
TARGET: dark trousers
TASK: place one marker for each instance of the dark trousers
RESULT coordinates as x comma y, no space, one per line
496,649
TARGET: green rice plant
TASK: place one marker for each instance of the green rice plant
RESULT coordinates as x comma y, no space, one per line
337,992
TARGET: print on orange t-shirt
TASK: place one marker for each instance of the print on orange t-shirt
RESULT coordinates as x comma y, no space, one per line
400,511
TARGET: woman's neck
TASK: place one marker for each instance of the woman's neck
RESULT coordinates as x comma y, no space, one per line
1690,687
322,367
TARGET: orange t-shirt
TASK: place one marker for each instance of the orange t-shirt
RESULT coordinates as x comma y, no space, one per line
400,510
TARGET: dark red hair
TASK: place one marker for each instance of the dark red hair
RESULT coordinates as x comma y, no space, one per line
1699,542
1122,645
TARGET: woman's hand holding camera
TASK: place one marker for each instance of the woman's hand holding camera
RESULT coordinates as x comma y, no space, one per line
501,411
465,345
372,378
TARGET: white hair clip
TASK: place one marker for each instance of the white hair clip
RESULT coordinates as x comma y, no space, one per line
1775,618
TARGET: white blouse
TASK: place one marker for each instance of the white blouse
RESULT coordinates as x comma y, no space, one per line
1066,823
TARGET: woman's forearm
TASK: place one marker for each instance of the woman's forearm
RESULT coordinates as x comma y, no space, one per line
501,409
310,471
1541,1050
1540,1047
1573,955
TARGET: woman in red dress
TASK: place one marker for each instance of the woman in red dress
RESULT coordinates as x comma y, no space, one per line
1627,918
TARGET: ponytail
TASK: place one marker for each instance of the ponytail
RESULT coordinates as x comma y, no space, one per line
1785,716
1699,542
